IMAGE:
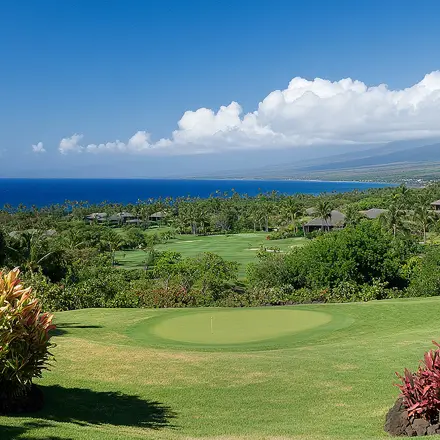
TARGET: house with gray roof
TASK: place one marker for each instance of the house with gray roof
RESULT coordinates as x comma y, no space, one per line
336,221
98,217
103,217
157,216
373,213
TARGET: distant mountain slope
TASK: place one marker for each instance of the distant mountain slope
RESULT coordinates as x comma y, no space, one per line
416,159
426,153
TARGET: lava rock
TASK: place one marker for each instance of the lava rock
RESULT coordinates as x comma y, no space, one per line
433,429
409,431
397,422
420,426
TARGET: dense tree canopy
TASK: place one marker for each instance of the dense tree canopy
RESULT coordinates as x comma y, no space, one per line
72,256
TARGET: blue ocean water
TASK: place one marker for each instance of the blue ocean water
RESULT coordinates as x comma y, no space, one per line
44,192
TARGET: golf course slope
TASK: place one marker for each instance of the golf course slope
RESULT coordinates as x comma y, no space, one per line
323,372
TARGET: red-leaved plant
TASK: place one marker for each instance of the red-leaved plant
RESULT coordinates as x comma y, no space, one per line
420,390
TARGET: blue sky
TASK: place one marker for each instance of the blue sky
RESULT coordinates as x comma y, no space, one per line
120,70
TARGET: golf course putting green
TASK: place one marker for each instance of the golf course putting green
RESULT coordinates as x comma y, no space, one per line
228,328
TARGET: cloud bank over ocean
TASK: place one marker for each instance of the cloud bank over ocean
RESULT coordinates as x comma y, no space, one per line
317,112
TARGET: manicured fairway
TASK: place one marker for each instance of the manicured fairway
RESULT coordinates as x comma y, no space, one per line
238,247
114,379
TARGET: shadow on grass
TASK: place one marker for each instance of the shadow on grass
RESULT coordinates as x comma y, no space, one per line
63,328
16,432
83,407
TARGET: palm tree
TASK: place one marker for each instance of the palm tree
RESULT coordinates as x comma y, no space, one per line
268,211
352,216
324,211
255,215
113,242
423,217
149,248
74,238
30,249
293,210
401,195
393,219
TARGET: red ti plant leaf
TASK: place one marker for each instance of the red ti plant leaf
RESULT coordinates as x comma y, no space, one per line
420,390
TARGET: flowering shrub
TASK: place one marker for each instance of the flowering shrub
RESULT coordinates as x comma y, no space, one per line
24,338
421,390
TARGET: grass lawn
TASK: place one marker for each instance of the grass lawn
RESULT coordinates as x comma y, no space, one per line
238,247
325,375
150,231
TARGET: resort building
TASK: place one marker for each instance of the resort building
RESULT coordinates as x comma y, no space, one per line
373,213
114,219
335,221
157,217
98,217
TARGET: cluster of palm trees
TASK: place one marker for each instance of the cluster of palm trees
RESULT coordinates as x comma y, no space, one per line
398,220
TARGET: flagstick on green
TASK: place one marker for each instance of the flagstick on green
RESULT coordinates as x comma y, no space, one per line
212,331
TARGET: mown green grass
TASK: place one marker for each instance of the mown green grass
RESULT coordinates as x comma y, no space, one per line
150,231
331,385
241,248
238,329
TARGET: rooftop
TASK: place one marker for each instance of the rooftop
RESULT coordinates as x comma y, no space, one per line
373,212
158,214
336,219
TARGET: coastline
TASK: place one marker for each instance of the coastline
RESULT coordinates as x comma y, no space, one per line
45,192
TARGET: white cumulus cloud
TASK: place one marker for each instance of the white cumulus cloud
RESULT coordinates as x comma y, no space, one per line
307,112
138,143
38,148
71,144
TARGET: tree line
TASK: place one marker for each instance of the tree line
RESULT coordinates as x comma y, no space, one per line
72,263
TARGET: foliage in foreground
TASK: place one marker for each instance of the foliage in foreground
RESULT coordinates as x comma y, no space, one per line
420,390
24,338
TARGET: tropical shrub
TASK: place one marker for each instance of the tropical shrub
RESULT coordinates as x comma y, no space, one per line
421,390
153,295
2,248
287,232
350,292
87,286
425,276
273,296
24,340
52,296
164,236
275,269
99,286
135,238
358,254
212,273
